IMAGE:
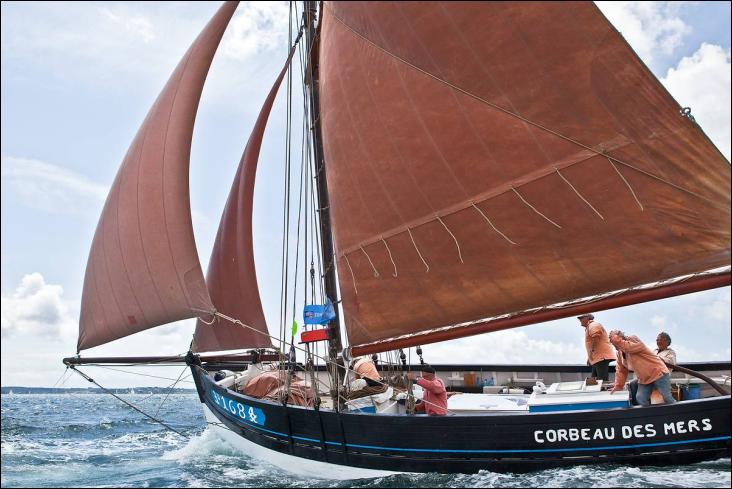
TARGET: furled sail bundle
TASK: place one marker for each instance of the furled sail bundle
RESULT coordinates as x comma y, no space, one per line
489,158
231,277
143,268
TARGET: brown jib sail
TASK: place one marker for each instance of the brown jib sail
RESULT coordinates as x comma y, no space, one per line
488,158
231,277
143,268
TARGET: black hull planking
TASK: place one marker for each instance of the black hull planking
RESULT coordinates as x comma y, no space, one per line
682,433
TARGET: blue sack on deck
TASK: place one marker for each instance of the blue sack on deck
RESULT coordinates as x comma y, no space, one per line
317,314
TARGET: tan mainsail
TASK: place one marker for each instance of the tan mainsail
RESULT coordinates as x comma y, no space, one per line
489,158
231,276
143,268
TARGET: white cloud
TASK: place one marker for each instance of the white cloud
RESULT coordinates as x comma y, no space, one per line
256,27
702,81
509,347
138,25
37,309
714,307
719,308
128,46
659,321
652,28
51,188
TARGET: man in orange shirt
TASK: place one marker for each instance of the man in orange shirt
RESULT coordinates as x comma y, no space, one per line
599,351
649,369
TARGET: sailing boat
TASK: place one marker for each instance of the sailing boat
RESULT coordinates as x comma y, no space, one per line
480,166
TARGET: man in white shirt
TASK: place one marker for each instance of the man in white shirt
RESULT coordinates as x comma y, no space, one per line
663,340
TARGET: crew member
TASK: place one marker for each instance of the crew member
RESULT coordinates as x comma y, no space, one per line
364,368
434,400
649,368
368,381
663,342
599,351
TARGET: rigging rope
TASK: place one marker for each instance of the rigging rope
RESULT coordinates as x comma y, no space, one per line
170,389
330,363
89,379
137,373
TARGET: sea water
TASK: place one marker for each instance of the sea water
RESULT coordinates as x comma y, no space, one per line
66,440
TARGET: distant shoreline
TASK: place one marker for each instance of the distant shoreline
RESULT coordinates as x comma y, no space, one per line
6,390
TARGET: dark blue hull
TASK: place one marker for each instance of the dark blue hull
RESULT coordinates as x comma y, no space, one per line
682,433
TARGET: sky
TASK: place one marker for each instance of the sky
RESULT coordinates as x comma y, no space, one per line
77,81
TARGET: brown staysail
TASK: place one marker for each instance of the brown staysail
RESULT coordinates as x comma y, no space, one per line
485,159
143,268
231,276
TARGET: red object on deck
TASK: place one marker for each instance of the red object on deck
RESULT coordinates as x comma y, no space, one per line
314,335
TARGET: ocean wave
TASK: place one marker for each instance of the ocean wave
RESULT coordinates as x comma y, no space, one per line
205,444
103,444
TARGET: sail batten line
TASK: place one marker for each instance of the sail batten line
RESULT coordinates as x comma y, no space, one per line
395,274
460,255
352,275
491,194
376,272
509,112
491,224
663,180
482,197
427,267
626,183
534,208
579,195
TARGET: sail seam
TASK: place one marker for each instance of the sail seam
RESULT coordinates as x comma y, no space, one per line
104,312
139,223
534,208
182,286
122,255
123,316
579,194
513,114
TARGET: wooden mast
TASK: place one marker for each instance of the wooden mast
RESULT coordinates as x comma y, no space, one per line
327,255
